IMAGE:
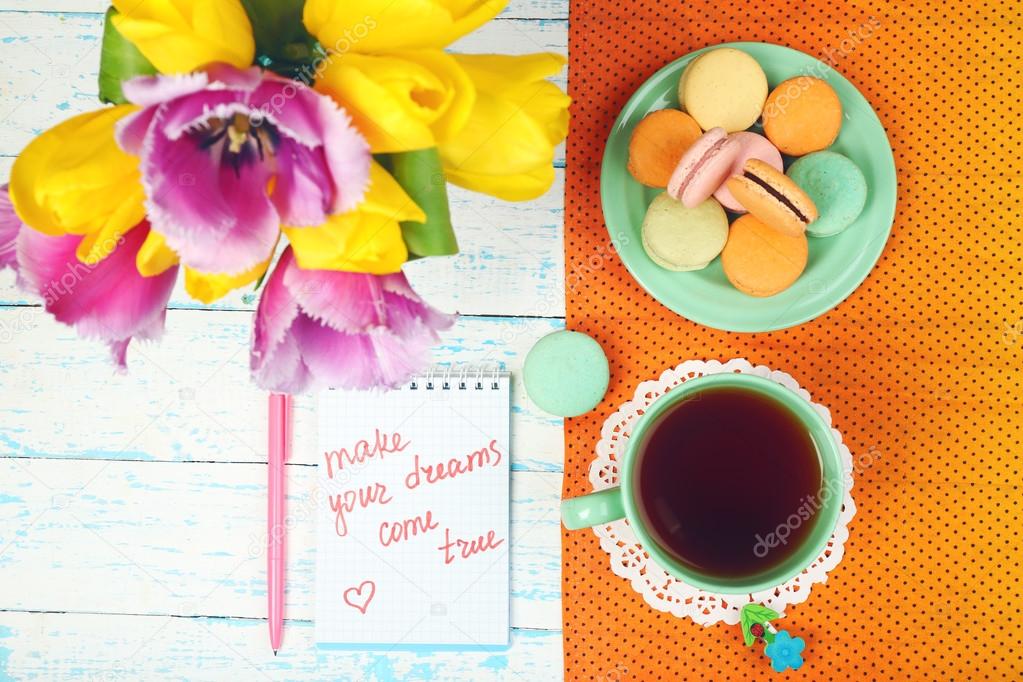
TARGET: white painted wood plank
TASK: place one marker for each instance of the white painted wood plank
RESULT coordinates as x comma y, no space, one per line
168,538
100,647
51,61
518,9
511,261
189,397
512,258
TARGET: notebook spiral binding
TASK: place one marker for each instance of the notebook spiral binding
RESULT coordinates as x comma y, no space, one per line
457,378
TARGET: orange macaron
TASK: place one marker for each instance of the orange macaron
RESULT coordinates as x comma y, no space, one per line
802,115
658,142
772,197
761,261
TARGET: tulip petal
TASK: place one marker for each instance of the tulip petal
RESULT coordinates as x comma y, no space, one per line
207,288
303,190
517,187
178,36
367,239
10,225
353,242
507,146
109,300
359,361
499,137
401,101
218,218
317,327
149,90
407,315
335,168
154,256
230,156
496,73
275,360
74,179
386,197
345,301
373,26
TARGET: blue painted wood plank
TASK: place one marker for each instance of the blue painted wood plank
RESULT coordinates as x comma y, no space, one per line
109,647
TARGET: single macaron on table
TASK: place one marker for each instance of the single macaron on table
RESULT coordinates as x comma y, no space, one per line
566,373
748,186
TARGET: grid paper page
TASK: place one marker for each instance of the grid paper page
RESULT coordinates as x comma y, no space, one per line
413,531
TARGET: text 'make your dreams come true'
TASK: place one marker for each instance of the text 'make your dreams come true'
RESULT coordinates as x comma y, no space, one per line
345,505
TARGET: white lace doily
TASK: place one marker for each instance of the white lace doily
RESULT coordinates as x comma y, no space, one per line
628,558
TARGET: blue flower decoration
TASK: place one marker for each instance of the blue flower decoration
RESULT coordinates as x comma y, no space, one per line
784,651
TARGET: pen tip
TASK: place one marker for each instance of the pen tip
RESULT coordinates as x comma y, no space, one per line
275,652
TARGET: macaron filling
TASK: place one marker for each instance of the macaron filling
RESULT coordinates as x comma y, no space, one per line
700,164
785,201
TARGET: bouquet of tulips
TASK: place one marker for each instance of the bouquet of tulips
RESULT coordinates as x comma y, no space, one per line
228,123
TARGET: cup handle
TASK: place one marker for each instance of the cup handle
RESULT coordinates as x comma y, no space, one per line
595,509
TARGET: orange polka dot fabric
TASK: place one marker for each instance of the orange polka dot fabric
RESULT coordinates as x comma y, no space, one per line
921,366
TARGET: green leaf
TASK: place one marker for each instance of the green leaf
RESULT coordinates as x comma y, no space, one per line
754,613
747,636
119,61
283,45
421,175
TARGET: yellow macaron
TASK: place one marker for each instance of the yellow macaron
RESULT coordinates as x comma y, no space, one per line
723,88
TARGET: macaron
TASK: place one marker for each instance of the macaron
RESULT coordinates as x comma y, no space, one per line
658,142
723,88
703,168
802,115
750,146
772,197
566,373
761,261
837,187
679,238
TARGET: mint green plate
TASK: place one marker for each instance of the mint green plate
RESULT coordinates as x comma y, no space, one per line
837,265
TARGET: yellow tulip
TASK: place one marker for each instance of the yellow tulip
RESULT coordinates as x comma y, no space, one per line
154,256
373,26
179,36
506,148
74,179
401,101
367,239
208,287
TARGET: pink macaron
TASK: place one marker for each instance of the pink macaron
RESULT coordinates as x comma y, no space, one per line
703,168
749,146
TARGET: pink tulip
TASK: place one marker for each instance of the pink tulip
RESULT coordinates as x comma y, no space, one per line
318,328
10,225
109,300
228,155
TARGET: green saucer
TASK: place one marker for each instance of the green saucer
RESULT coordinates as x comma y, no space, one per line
837,265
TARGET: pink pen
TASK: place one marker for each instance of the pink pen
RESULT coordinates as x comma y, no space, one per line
280,442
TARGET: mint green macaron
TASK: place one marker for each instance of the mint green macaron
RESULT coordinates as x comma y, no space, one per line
837,187
566,373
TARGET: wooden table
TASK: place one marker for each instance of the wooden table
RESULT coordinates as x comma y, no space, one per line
132,506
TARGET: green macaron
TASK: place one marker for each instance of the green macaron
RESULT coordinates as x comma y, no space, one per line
566,373
837,187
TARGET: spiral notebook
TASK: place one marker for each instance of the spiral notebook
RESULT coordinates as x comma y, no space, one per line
413,531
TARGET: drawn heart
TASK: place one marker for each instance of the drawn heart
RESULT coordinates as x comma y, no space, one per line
360,597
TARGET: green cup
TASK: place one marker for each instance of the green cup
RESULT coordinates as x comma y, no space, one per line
612,504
